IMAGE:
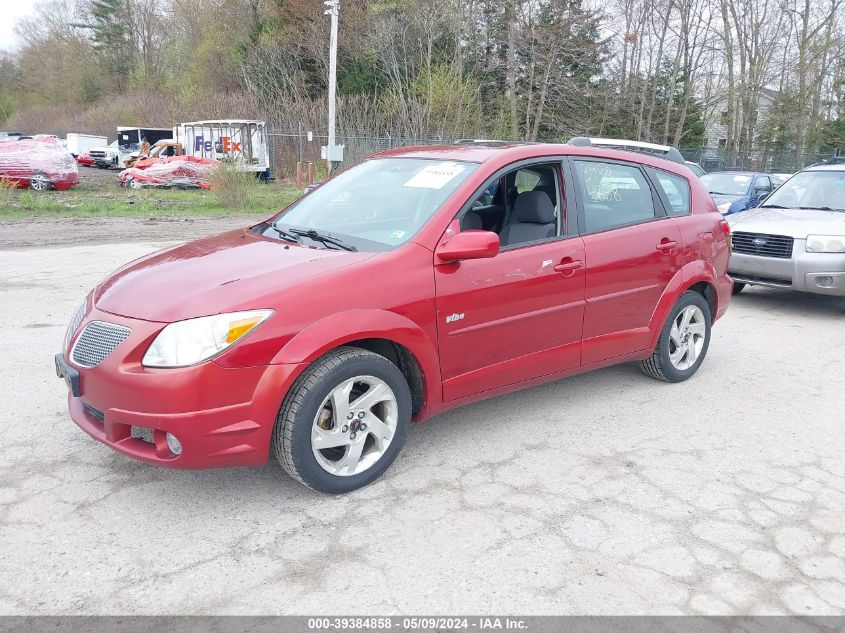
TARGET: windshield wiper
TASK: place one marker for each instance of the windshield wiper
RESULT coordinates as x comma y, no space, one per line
821,208
328,240
721,193
773,206
286,235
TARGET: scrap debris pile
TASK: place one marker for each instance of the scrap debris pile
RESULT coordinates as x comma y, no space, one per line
38,163
181,172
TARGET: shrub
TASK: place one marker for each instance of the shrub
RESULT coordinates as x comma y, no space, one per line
234,189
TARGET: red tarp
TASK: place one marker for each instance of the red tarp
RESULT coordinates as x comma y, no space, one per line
172,171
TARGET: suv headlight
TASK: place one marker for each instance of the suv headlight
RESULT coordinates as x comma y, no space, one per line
826,243
73,326
193,341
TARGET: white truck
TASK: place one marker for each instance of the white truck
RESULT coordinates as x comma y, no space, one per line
240,141
128,141
83,143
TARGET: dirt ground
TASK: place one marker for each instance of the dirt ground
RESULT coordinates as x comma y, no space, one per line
43,232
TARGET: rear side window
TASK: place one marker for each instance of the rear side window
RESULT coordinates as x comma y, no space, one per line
614,195
677,191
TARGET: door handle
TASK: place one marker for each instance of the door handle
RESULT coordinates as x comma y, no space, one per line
569,267
666,245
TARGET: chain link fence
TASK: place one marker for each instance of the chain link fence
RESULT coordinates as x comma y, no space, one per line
289,147
773,162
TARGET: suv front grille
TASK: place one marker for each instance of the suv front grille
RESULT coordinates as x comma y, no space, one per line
762,244
97,341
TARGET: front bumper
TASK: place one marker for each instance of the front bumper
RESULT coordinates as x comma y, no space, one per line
221,416
819,273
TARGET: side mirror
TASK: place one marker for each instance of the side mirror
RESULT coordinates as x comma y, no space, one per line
762,196
469,245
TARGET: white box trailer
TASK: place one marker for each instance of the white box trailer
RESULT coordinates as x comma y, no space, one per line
82,143
243,142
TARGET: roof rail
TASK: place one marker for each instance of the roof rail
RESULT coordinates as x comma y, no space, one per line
491,142
661,151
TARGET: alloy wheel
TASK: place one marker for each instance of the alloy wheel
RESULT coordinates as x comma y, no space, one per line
39,182
354,426
686,338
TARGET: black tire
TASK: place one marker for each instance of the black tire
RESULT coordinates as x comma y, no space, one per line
291,440
738,287
658,365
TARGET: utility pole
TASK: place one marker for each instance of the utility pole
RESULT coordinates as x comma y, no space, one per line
332,153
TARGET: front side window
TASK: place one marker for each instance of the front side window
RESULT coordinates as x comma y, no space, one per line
677,191
614,195
375,206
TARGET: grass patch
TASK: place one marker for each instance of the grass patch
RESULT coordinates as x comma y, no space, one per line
110,200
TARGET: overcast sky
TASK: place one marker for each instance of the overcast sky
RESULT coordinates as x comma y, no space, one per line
10,11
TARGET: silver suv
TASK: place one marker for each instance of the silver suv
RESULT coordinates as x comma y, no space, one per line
796,238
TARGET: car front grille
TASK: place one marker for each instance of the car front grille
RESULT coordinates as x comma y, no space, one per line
763,244
97,341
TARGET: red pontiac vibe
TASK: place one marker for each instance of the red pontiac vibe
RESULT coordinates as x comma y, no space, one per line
420,280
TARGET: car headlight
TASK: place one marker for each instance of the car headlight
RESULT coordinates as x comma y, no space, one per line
723,208
826,243
193,341
73,326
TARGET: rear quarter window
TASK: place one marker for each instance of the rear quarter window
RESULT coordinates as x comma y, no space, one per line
675,188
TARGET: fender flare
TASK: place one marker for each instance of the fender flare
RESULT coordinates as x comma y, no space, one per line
689,275
342,327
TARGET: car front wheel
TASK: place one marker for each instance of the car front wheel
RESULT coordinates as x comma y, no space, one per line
683,342
344,421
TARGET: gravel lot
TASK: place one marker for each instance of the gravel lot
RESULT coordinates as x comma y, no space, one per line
607,493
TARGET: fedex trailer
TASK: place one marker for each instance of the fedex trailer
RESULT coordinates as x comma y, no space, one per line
243,143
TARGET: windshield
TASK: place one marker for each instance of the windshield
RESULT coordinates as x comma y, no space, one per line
374,206
812,190
727,183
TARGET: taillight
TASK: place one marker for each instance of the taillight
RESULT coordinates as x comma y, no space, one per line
727,230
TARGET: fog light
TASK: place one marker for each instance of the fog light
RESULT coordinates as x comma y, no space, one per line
173,444
824,282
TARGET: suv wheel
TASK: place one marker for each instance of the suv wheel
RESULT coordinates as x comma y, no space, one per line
344,421
683,342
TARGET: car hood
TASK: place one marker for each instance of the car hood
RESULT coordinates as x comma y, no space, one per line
796,223
238,270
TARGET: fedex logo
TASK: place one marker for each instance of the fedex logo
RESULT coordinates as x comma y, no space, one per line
224,145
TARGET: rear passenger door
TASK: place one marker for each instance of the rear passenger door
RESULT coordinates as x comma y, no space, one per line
632,249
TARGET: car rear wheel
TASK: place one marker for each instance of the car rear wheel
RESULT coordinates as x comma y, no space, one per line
344,421
683,342
738,287
39,182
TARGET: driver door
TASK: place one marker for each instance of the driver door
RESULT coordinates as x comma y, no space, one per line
512,317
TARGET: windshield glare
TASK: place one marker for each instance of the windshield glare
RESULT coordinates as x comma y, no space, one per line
726,183
811,189
378,204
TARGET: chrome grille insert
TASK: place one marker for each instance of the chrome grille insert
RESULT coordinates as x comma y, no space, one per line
97,341
762,244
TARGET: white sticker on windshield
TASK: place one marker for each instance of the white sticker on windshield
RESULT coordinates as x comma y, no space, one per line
742,178
435,176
